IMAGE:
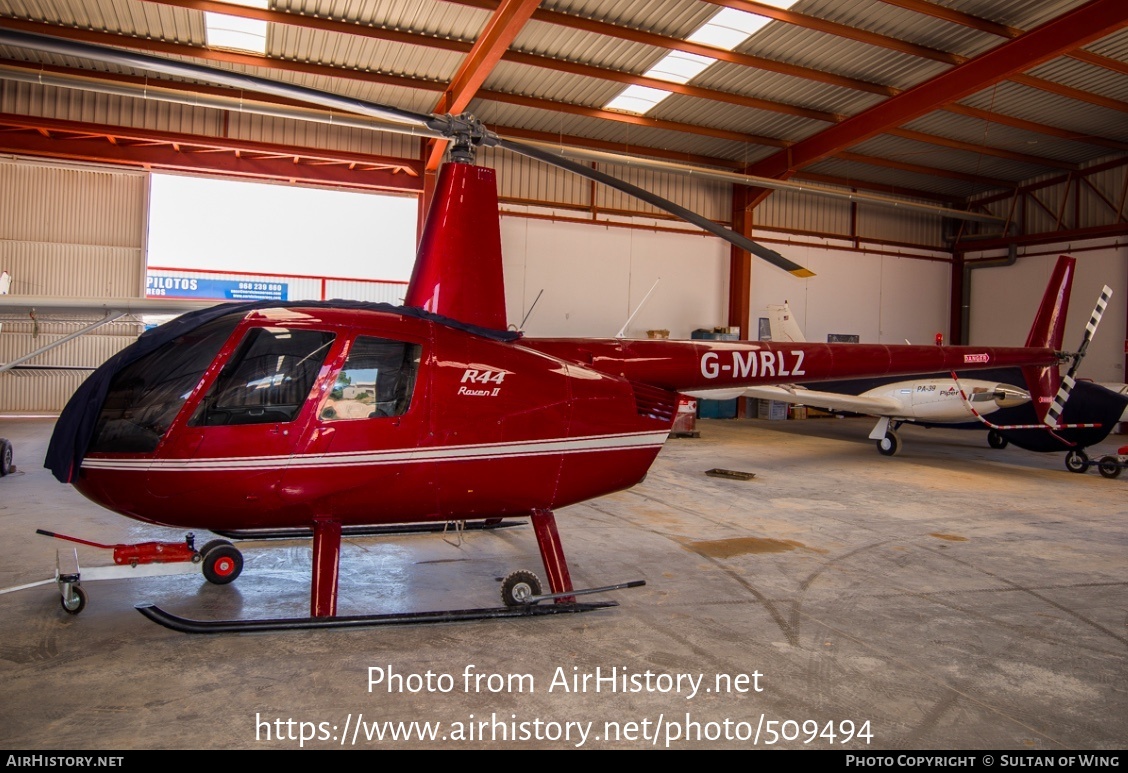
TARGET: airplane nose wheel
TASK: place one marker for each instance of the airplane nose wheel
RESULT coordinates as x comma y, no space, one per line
1076,461
519,587
995,440
222,562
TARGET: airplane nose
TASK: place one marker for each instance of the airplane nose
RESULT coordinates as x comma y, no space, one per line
1007,396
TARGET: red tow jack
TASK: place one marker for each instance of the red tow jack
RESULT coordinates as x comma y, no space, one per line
218,560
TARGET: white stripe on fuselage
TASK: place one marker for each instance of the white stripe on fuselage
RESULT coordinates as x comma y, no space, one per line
587,444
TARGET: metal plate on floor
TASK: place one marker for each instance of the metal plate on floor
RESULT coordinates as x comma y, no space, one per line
716,472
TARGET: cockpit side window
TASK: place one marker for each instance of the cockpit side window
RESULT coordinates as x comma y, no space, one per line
145,396
267,380
377,380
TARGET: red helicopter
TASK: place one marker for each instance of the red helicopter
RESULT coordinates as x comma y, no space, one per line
326,416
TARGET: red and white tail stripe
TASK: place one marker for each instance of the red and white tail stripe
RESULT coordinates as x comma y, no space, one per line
1053,415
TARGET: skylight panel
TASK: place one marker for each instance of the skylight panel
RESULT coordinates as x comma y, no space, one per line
637,99
727,29
679,67
225,31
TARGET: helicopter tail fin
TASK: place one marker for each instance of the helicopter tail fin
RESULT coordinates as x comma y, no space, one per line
458,269
1048,331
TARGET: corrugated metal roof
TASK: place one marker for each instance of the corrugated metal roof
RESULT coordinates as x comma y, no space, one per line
902,24
948,159
831,56
945,125
1084,119
849,171
1085,77
852,59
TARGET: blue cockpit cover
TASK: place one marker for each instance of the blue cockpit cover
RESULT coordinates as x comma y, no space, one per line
75,426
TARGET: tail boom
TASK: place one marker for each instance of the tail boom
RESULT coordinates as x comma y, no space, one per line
680,366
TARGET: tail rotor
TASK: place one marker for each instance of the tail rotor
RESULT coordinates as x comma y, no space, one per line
1053,415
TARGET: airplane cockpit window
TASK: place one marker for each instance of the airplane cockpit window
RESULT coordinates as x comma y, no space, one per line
267,380
377,380
145,396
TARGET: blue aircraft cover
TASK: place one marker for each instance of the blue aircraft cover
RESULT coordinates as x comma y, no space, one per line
75,426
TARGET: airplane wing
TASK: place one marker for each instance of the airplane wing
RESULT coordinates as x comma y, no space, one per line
82,310
829,401
54,304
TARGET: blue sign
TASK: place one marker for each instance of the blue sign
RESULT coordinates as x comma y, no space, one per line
219,289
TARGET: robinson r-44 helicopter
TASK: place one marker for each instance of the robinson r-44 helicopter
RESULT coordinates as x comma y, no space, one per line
324,416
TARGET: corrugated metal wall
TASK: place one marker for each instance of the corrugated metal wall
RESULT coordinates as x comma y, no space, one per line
117,110
69,231
1050,203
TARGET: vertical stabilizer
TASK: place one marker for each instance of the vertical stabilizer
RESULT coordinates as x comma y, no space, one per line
1048,331
458,269
783,324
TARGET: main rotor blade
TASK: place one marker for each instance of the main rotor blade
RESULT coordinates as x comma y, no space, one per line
427,125
665,205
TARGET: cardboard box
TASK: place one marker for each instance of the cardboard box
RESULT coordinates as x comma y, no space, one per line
772,410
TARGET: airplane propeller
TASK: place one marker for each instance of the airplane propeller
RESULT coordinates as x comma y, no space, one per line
1053,415
465,132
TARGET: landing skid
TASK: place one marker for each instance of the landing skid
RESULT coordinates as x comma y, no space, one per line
367,531
184,625
531,609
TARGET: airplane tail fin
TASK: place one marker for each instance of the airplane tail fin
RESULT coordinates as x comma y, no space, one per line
458,269
783,324
1048,331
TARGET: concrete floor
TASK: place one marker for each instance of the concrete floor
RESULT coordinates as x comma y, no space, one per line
951,598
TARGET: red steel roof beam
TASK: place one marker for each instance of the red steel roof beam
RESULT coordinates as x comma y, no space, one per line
841,30
457,46
1071,30
956,17
677,44
1002,30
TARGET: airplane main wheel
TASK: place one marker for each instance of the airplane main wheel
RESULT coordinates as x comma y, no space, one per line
1109,467
890,445
77,601
222,562
995,440
518,587
5,456
1076,461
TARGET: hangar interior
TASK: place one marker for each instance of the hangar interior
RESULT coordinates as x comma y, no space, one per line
927,160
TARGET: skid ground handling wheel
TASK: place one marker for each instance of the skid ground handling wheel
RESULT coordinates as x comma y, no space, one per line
222,562
519,588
